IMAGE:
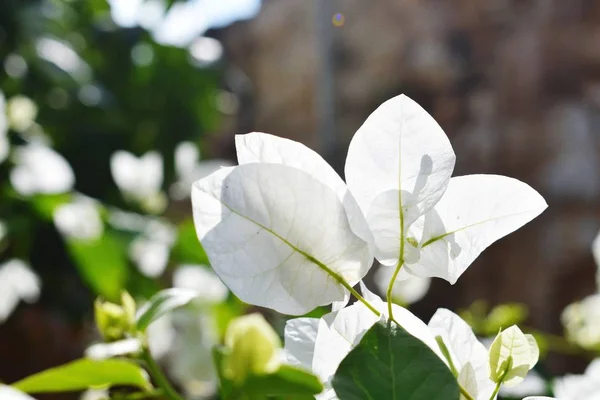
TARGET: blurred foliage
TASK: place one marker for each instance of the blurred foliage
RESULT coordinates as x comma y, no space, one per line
99,88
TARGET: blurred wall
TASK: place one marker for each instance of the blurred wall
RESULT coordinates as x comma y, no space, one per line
515,85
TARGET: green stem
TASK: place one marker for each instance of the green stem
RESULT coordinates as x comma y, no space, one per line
496,390
391,287
465,394
359,297
158,376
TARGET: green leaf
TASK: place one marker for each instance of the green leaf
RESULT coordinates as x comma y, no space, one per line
187,248
83,374
389,363
45,204
287,381
102,264
162,303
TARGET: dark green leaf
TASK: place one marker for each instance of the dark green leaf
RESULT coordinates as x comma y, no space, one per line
161,303
83,374
102,264
389,363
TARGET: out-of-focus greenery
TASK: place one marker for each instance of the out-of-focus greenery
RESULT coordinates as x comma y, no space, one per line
98,88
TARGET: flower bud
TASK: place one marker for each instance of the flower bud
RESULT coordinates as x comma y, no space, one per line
115,321
254,348
511,356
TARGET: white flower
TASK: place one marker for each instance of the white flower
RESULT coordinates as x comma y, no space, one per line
79,219
101,351
17,282
398,168
95,394
320,345
580,387
4,142
201,279
150,251
138,178
581,322
468,356
189,168
21,112
40,170
284,231
405,291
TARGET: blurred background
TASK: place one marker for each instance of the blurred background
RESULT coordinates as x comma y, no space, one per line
514,83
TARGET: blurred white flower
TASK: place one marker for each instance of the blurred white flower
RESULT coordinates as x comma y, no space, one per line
102,351
39,169
139,178
150,251
184,340
10,393
580,387
532,385
406,291
21,113
582,322
203,280
189,169
161,334
17,282
79,219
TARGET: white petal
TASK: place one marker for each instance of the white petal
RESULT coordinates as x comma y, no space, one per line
187,156
140,177
468,381
398,166
265,148
39,169
405,291
463,346
337,334
270,232
300,337
201,279
511,343
475,211
79,219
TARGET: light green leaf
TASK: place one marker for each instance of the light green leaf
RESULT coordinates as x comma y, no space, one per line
102,264
83,374
389,363
161,303
512,355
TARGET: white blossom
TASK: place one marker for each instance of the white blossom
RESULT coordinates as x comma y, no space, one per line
79,219
17,282
40,170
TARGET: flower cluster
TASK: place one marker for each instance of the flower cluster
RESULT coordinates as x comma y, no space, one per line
284,231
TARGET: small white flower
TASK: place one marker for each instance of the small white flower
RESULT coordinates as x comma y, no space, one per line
17,282
151,250
138,178
40,170
101,351
580,387
79,219
189,168
203,280
405,291
582,322
95,394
